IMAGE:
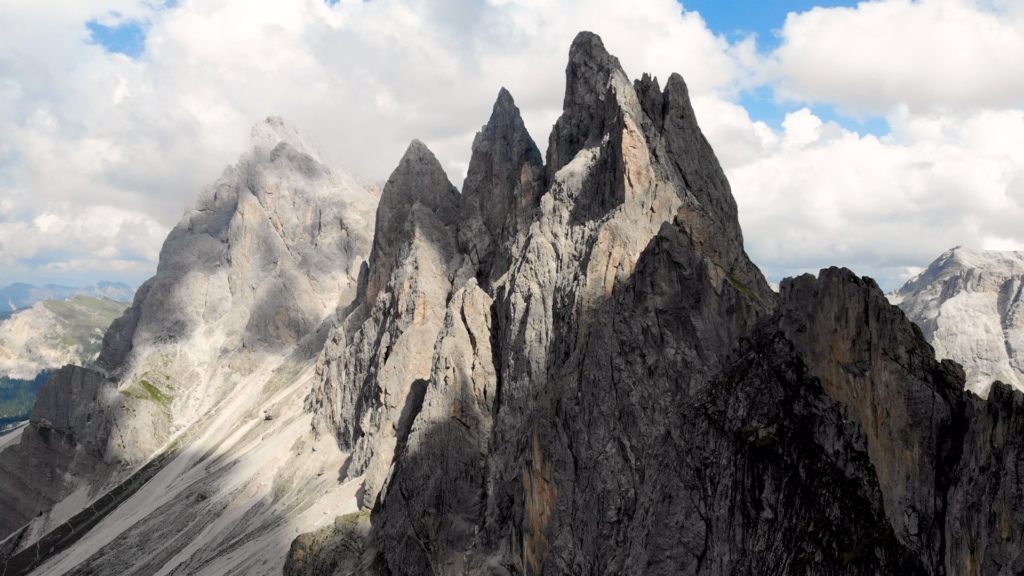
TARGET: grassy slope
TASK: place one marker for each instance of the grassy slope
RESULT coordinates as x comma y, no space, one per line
84,319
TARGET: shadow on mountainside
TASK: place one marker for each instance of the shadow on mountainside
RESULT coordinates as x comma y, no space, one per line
227,497
648,452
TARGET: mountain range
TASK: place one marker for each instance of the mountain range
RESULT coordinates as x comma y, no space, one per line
570,367
37,340
20,295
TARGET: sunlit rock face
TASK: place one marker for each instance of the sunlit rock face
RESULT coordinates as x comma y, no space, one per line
52,333
244,295
970,306
614,388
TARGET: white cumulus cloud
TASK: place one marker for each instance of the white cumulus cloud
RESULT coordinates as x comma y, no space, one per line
925,54
89,128
94,136
823,195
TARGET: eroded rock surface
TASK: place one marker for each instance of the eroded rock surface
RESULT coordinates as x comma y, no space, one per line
247,277
615,389
970,306
376,364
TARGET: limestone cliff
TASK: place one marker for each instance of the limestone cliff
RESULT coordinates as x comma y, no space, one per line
376,363
244,294
615,389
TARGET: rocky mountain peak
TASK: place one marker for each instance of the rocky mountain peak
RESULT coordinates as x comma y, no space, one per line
417,200
267,253
970,306
420,178
502,188
596,88
274,131
692,155
505,102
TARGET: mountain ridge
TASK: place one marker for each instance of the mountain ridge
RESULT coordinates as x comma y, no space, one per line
246,286
52,333
20,295
571,367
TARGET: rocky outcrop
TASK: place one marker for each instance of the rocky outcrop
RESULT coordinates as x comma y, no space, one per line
984,518
501,192
970,306
266,254
910,408
614,387
531,357
375,366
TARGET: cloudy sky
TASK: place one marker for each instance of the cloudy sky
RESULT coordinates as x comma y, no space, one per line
873,135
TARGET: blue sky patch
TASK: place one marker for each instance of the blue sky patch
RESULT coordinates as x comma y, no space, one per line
128,38
736,19
761,105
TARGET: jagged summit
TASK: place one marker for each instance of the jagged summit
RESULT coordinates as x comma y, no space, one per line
573,267
959,259
594,90
267,253
504,101
502,189
420,178
418,200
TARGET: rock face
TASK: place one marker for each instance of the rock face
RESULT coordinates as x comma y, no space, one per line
243,298
614,388
970,306
375,365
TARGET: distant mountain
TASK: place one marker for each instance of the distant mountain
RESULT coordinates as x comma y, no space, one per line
116,291
20,295
35,341
53,333
970,306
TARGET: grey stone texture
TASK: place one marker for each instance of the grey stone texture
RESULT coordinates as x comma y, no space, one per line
970,306
253,271
376,363
613,387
